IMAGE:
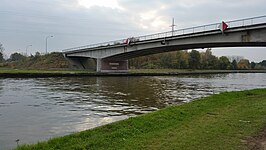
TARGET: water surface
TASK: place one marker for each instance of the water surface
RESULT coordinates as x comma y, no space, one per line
36,109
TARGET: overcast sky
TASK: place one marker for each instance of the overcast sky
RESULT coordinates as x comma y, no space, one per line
82,22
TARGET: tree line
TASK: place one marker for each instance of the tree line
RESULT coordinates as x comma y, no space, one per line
171,60
54,60
13,57
193,60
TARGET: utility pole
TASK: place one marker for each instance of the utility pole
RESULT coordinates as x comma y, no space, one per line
173,26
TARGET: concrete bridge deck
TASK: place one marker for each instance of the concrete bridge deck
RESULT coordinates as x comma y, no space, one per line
112,56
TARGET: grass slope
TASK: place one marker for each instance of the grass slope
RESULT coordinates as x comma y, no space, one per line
216,122
49,61
190,71
18,71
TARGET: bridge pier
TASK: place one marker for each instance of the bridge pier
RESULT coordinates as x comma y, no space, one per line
108,65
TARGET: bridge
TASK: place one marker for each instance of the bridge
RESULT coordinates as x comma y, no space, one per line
113,56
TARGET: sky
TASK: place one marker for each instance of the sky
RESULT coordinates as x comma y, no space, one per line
74,23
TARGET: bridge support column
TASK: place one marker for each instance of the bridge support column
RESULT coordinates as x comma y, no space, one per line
99,65
105,65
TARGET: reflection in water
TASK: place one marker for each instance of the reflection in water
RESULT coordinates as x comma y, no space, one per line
107,96
37,109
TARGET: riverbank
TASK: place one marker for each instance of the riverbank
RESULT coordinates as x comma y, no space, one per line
223,121
15,73
18,73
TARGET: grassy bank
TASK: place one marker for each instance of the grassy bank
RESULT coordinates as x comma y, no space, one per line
190,71
24,73
18,71
221,121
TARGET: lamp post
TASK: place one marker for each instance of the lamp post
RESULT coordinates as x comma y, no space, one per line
46,39
27,49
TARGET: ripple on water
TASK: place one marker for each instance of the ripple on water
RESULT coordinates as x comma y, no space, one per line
34,105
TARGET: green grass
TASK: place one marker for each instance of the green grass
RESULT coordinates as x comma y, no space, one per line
144,71
169,70
188,71
7,70
217,122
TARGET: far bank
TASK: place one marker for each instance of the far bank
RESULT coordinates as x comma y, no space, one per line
17,73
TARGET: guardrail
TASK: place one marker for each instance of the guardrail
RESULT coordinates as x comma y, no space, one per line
192,30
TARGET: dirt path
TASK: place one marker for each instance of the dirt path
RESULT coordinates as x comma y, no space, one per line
258,142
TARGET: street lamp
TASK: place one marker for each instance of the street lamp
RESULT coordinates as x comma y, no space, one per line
50,36
27,49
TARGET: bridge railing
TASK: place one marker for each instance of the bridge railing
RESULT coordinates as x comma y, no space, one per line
180,32
246,22
185,31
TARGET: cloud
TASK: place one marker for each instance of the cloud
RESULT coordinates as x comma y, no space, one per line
146,15
81,22
100,3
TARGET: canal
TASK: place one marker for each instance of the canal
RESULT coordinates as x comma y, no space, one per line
37,109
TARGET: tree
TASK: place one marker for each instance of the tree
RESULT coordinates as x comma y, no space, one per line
16,57
1,53
182,60
1,48
234,65
37,54
213,62
224,63
205,56
209,61
178,59
167,60
252,65
1,57
194,59
263,63
258,67
243,64
236,58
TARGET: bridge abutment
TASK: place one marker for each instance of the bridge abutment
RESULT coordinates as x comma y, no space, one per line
82,62
107,65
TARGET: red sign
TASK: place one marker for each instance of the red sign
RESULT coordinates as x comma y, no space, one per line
223,26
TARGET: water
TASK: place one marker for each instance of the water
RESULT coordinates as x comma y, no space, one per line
37,109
